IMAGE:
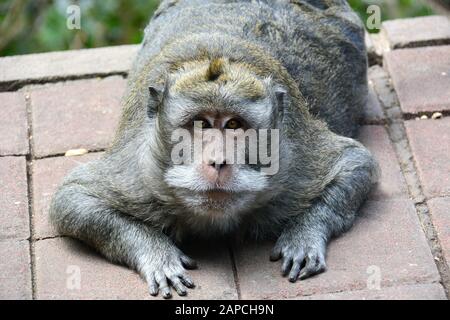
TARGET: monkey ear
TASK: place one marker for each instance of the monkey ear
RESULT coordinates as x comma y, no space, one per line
154,93
280,103
156,98
279,99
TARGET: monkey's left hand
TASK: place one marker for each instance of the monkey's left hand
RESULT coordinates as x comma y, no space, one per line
300,247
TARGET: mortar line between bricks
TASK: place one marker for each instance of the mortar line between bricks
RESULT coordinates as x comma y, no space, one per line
422,44
235,273
410,116
19,84
29,167
62,154
13,155
397,134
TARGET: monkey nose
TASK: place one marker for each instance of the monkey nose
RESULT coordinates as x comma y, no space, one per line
218,164
215,170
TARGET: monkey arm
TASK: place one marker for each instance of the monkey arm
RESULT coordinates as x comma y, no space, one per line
80,213
305,238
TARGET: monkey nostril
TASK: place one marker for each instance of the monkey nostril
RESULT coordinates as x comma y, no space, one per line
217,165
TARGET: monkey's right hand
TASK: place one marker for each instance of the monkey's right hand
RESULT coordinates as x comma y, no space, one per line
165,268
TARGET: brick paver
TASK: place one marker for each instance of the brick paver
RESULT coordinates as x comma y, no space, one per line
408,292
440,213
386,236
421,78
65,64
430,144
59,262
13,124
14,218
47,176
76,114
15,274
415,32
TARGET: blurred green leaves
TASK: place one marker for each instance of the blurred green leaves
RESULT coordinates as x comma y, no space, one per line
28,26
40,25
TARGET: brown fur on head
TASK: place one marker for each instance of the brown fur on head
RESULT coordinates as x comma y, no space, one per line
236,79
216,69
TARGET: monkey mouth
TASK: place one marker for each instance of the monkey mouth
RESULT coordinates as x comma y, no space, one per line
218,194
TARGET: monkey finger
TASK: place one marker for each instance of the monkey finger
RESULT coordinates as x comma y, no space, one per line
152,286
187,281
275,254
163,285
306,273
312,267
178,286
165,291
188,263
286,266
295,270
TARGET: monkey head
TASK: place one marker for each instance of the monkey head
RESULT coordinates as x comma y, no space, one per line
221,125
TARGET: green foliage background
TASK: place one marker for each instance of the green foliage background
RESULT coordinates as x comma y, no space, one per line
28,26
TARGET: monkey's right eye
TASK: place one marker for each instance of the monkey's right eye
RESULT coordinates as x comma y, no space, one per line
202,123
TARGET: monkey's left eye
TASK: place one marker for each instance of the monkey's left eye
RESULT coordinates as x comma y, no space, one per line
202,123
233,124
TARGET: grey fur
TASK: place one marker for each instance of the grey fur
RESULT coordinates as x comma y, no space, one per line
309,63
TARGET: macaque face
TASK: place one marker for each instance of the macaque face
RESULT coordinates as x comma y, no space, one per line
216,165
213,166
224,143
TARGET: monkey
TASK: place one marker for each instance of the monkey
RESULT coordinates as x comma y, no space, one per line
295,66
